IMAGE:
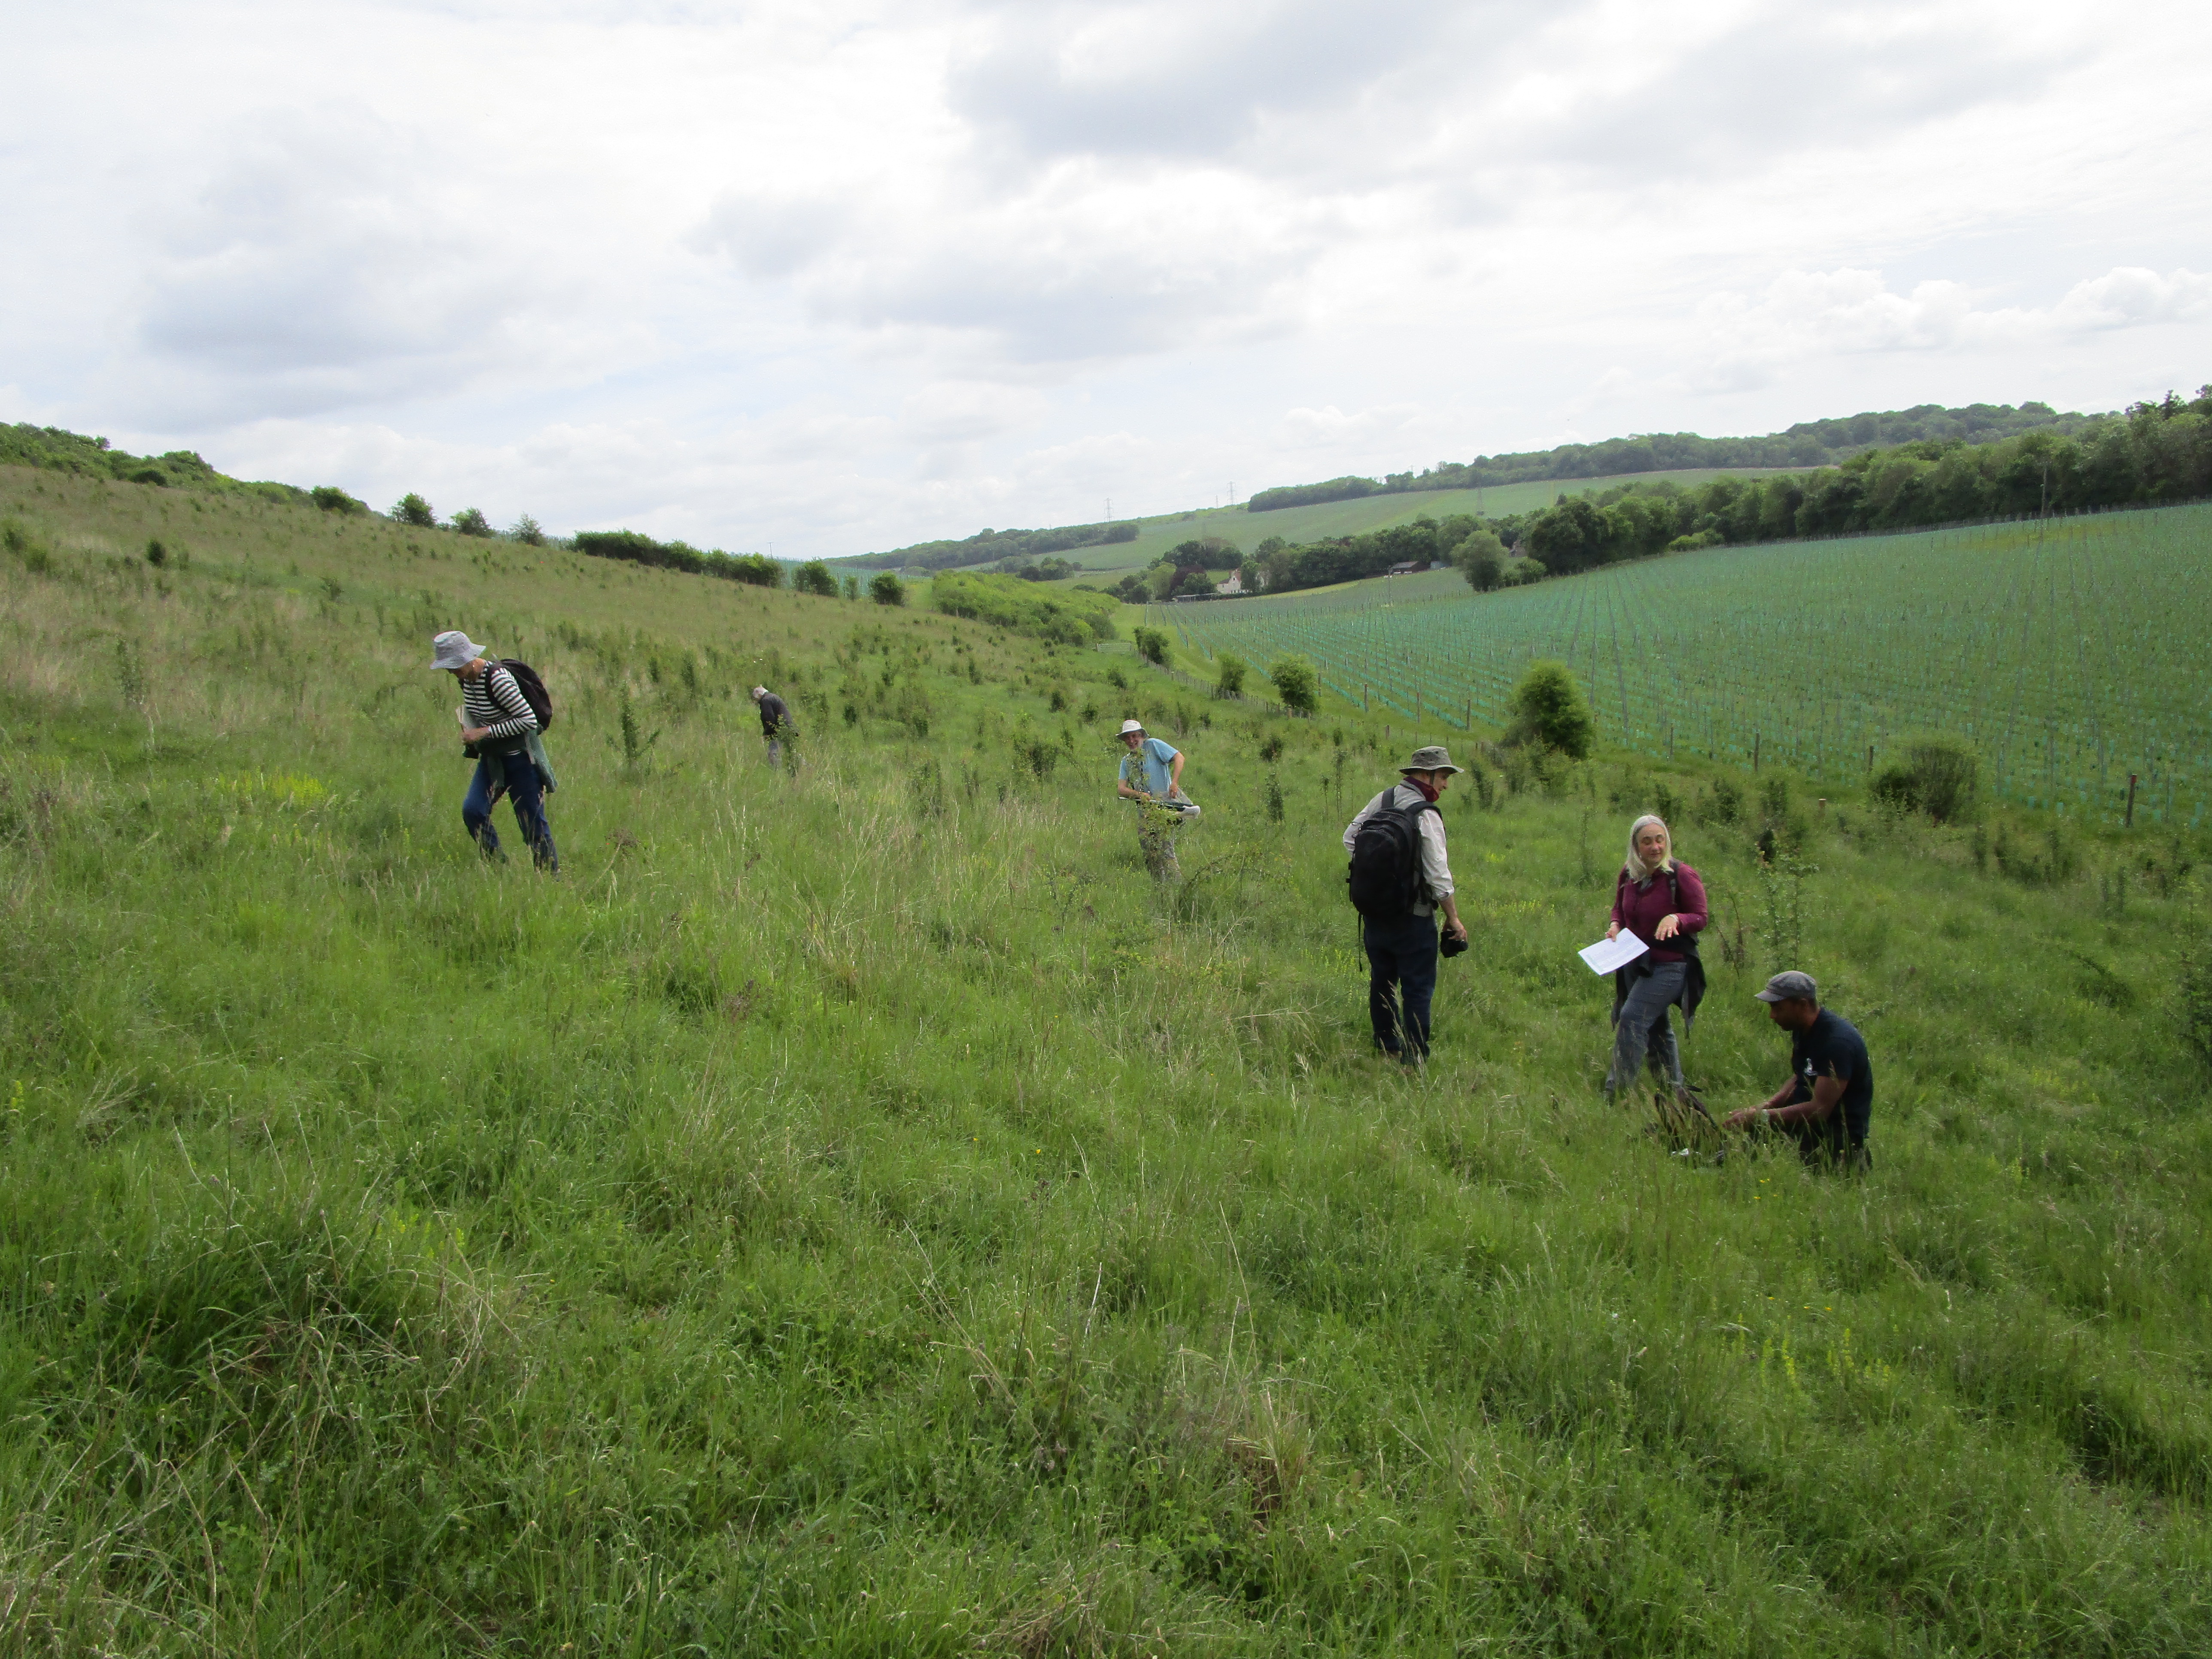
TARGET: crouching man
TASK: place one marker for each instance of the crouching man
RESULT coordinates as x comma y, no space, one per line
1826,1105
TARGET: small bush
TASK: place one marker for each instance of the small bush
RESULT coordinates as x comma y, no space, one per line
1151,644
156,555
1271,748
412,508
1229,675
1295,684
814,577
1725,803
1550,714
332,499
527,531
1939,776
471,521
885,588
2192,986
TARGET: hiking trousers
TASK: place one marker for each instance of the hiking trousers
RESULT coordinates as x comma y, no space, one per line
517,774
1641,1030
1401,982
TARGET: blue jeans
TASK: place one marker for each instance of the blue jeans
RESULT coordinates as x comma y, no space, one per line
1402,980
519,777
1641,1030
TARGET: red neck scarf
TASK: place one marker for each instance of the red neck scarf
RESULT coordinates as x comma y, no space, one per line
1428,789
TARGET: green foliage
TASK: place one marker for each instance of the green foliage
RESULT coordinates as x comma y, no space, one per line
1937,776
815,577
1808,443
1482,558
157,552
1549,712
332,499
754,569
988,546
1347,558
527,531
1295,685
471,521
885,588
1229,672
2192,998
412,509
1151,644
1063,616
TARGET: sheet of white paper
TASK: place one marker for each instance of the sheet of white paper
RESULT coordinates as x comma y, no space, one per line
1609,954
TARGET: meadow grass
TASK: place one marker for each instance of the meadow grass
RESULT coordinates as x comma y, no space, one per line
852,1211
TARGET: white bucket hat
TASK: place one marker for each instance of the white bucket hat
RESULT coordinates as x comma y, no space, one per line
453,649
1128,726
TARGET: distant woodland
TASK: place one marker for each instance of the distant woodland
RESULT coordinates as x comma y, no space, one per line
2154,453
1810,443
986,545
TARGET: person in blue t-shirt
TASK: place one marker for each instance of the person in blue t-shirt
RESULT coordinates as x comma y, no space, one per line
1826,1104
1151,776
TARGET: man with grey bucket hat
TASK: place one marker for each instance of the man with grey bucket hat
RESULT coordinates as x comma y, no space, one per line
499,730
1826,1104
1399,877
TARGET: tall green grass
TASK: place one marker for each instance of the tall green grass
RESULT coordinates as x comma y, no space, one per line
854,1212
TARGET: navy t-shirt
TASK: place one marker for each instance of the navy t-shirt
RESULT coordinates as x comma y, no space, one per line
1832,1046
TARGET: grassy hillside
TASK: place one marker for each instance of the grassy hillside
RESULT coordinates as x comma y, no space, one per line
854,1212
1309,524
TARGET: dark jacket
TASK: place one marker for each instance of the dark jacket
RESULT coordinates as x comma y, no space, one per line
774,715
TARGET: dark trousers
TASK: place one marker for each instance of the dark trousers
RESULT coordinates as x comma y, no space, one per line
1401,980
1824,1144
517,776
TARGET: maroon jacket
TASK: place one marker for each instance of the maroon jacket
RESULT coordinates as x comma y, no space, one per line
1637,907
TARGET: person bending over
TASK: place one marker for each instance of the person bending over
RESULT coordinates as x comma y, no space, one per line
1826,1105
776,724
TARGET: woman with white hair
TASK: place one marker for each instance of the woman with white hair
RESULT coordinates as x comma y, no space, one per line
1660,900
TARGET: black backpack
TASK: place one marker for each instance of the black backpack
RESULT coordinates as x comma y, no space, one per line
1385,871
532,688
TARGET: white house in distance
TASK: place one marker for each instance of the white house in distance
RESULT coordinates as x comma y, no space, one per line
1234,585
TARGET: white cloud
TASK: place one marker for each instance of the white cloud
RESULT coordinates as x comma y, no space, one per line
1806,314
844,273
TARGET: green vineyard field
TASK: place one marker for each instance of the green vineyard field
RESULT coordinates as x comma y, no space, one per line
2071,653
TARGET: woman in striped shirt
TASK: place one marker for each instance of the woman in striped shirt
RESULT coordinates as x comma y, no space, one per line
499,722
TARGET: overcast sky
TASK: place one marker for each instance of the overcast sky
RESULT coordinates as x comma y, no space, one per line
837,275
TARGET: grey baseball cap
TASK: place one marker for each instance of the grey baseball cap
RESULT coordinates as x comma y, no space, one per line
1431,759
1792,986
